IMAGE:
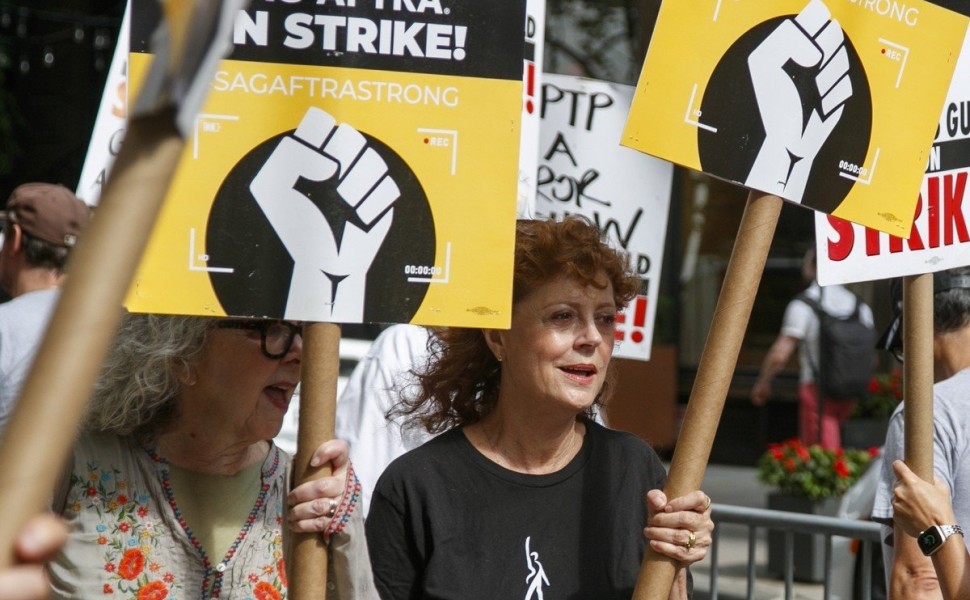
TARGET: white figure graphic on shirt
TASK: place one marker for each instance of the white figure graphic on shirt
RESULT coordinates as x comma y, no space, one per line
537,576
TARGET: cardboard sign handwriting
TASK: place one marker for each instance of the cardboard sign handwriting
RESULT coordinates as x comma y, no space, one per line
583,169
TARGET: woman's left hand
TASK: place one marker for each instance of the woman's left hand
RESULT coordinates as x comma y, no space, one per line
681,528
314,503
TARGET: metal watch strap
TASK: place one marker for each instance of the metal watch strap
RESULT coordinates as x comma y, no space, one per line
949,530
932,539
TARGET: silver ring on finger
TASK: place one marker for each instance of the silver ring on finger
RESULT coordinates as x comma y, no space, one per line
332,510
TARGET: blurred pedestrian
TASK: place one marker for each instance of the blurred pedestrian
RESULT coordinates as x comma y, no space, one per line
800,329
42,223
377,384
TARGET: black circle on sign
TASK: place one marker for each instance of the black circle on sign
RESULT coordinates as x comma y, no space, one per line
730,106
239,235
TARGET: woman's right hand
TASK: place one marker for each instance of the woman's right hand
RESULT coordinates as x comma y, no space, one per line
680,528
39,540
918,504
323,504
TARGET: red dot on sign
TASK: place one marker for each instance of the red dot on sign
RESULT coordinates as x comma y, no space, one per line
529,106
636,336
426,140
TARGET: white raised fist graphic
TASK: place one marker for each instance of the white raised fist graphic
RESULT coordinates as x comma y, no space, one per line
792,137
327,272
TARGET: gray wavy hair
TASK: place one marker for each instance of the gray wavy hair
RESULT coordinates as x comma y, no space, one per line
139,381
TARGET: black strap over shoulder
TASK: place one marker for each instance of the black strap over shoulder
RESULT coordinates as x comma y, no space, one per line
817,306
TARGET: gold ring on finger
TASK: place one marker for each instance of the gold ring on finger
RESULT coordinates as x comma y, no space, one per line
691,540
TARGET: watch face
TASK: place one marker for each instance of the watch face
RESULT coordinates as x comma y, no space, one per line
930,540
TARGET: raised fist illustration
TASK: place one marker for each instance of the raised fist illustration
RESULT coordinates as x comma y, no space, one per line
327,271
796,127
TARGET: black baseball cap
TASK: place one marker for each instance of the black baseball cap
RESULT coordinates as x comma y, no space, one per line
892,338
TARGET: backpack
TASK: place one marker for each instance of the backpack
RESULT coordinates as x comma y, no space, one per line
847,352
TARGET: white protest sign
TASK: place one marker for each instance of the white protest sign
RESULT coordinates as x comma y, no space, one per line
940,237
109,127
584,170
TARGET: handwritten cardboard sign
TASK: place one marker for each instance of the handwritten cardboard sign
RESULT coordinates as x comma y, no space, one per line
584,170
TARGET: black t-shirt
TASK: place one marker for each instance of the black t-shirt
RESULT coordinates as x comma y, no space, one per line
447,523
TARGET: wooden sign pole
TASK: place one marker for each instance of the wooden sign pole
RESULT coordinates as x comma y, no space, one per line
318,403
44,423
714,373
918,373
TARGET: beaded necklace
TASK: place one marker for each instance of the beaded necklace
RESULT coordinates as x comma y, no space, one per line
215,575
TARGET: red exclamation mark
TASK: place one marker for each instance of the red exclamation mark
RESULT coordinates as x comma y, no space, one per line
639,318
530,87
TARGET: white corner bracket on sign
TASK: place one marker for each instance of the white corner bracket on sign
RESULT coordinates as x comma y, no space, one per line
447,270
903,50
203,257
453,134
695,112
865,174
206,123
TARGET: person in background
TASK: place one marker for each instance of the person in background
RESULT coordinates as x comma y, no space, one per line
175,488
522,493
376,385
910,572
42,223
800,330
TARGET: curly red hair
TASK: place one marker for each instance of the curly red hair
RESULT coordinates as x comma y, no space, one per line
460,383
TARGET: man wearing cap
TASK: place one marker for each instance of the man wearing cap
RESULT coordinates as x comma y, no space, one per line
910,572
41,224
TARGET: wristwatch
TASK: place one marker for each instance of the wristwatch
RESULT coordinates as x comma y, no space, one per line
932,539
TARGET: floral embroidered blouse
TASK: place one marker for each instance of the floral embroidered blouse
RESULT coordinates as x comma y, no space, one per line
129,540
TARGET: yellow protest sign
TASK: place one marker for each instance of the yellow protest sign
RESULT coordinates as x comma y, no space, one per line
830,104
351,164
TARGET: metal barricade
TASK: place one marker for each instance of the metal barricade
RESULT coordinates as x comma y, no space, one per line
791,523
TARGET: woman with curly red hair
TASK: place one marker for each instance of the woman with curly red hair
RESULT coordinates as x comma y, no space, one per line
523,491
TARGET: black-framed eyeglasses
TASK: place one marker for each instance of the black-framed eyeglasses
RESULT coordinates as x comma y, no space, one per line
275,337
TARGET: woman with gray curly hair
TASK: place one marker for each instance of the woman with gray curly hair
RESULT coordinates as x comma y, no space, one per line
175,488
